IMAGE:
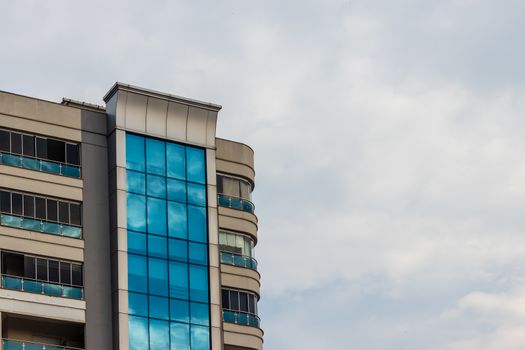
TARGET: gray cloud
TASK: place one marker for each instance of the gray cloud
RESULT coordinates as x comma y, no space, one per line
388,139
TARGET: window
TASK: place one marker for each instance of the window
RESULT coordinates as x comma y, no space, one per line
42,269
234,187
43,208
234,300
40,147
236,243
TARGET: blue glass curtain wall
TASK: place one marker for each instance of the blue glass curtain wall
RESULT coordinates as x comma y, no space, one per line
168,277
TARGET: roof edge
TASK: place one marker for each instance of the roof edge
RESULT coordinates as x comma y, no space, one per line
152,93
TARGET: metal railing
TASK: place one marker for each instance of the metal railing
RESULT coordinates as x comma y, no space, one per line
41,287
242,318
236,203
10,344
46,166
239,260
37,225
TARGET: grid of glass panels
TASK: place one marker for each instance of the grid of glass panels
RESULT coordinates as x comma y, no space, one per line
168,265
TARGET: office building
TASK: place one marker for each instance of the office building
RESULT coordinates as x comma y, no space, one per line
125,226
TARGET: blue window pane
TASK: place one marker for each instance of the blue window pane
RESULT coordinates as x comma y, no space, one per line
159,334
156,216
196,194
198,283
177,220
136,243
200,314
135,152
157,246
156,186
178,250
138,304
198,253
158,307
158,276
176,161
197,228
200,338
155,157
180,336
135,182
178,280
138,333
177,190
179,310
137,273
196,170
136,212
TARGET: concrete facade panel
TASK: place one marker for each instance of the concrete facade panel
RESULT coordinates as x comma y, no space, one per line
156,117
176,121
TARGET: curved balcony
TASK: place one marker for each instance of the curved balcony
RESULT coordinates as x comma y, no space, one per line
10,344
40,287
236,203
241,318
239,260
40,226
45,166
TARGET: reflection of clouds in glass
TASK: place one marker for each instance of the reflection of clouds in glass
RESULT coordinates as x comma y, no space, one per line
180,335
135,182
157,216
156,186
177,220
159,334
176,157
197,223
136,212
138,336
195,165
196,194
200,338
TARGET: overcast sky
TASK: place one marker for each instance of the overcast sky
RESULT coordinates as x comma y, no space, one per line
389,143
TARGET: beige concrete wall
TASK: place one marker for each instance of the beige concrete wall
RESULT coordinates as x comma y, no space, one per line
243,336
240,278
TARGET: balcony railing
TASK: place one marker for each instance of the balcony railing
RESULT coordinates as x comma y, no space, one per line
242,318
40,287
46,166
236,203
10,344
41,226
239,260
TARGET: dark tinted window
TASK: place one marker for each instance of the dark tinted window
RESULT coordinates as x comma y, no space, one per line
29,267
41,269
41,147
40,204
251,304
53,271
56,150
16,143
29,145
243,302
29,206
65,273
5,201
75,213
13,264
73,155
76,274
52,210
63,212
4,141
16,203
234,300
225,299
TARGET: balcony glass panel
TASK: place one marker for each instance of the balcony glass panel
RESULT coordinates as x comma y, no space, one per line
238,260
236,203
41,226
241,318
40,287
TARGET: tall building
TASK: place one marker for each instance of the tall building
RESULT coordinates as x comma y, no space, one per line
128,226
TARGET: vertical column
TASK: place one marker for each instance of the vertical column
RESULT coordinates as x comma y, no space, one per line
213,239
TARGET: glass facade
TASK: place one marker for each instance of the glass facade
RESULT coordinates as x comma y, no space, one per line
168,279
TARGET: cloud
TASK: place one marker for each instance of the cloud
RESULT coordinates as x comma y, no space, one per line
388,139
